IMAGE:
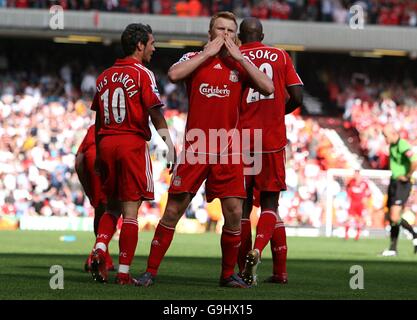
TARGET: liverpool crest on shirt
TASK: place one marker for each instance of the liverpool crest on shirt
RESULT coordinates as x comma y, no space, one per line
177,181
234,76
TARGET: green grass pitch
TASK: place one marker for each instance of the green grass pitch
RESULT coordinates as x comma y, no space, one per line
318,268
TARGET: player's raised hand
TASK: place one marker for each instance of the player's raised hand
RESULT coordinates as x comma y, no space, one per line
233,49
213,47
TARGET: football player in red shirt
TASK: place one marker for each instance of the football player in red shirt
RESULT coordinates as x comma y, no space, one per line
216,79
126,96
358,192
90,181
266,113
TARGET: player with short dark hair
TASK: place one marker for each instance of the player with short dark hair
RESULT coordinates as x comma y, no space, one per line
266,112
216,78
126,97
402,163
133,34
358,192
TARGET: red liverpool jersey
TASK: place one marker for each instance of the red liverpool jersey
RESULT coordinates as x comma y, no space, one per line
357,190
88,141
215,91
268,112
124,94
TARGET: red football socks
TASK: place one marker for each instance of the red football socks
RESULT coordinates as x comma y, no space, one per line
127,243
106,229
264,229
159,246
230,243
279,249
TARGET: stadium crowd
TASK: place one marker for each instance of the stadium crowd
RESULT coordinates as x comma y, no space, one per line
44,119
383,12
370,104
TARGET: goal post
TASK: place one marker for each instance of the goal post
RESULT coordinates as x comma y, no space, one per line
337,202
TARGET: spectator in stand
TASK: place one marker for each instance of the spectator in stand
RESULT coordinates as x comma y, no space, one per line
340,13
261,10
194,8
311,11
166,6
182,8
280,10
326,10
88,85
244,10
222,5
